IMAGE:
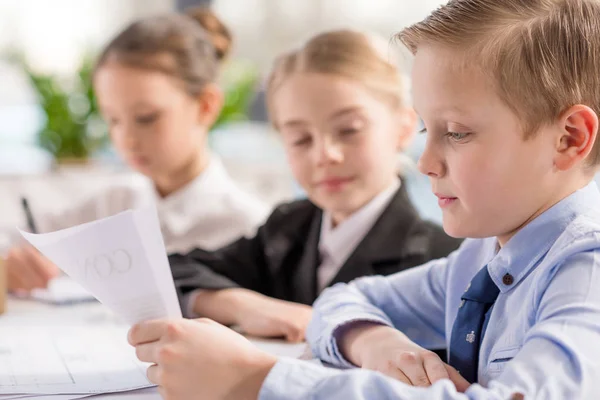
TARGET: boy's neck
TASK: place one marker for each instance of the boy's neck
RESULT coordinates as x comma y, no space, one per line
561,192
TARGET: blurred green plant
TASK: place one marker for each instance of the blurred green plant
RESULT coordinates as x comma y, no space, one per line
73,128
239,83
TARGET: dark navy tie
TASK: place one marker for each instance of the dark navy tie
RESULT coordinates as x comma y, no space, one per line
470,324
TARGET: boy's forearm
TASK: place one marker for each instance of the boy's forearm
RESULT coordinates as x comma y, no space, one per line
356,338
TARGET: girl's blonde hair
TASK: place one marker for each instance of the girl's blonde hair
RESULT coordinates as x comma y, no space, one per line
361,57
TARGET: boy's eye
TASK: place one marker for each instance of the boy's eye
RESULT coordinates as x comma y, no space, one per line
146,119
457,136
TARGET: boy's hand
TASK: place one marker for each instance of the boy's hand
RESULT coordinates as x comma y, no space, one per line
27,269
262,316
387,350
200,358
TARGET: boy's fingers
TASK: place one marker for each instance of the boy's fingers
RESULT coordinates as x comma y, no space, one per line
146,352
461,383
397,374
153,374
146,332
412,366
435,368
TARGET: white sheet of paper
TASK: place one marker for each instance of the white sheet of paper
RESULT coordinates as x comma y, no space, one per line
68,360
62,290
51,396
121,260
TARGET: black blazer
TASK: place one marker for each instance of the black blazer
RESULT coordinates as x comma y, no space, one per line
281,260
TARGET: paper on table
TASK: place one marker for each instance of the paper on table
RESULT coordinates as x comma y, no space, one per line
121,260
73,360
138,394
276,347
47,397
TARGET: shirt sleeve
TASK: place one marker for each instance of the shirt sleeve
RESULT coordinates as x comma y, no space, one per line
296,379
558,360
411,301
187,304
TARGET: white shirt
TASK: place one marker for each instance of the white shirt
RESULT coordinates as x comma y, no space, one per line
337,244
208,212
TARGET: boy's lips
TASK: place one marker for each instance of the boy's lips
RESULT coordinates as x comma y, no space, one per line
444,196
445,200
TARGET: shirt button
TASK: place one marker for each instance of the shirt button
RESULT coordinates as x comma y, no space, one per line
508,279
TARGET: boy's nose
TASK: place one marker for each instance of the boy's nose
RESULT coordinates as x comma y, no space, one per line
430,163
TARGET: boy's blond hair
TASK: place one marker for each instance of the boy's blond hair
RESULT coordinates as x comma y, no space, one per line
358,56
543,55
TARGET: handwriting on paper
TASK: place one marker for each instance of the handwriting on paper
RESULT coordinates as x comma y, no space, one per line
106,265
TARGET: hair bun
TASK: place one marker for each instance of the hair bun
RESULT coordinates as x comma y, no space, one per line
220,35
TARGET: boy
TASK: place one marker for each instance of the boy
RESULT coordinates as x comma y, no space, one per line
509,91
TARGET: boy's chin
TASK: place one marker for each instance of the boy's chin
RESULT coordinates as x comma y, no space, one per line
461,230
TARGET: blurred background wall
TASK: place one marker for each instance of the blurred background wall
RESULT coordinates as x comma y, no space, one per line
58,40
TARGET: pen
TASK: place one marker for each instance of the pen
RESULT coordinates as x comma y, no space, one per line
28,215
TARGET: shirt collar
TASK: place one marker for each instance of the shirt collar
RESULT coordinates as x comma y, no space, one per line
182,209
524,250
339,242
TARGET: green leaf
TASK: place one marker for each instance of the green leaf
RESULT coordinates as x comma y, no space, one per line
65,132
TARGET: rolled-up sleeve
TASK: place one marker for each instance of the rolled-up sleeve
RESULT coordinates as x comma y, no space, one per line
411,301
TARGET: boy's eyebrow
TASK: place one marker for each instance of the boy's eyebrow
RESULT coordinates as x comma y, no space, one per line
442,109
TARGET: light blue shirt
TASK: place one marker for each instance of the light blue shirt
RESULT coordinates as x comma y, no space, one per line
543,337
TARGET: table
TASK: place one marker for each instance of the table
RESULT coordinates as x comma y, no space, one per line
22,312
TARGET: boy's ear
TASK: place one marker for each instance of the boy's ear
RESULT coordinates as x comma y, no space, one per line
210,103
408,125
578,132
